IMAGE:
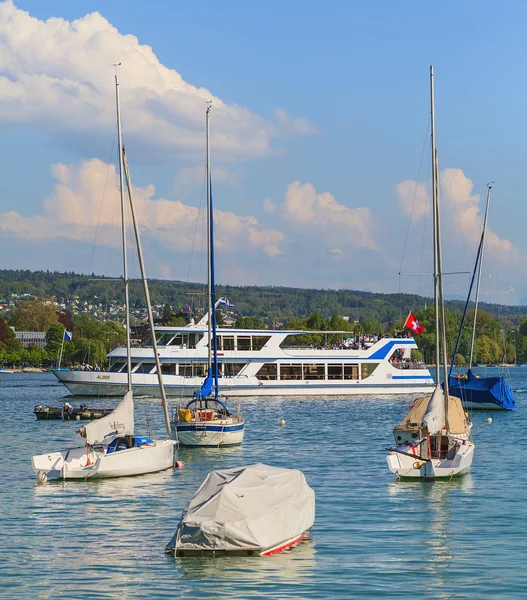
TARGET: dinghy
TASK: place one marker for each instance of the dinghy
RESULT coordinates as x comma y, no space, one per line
256,510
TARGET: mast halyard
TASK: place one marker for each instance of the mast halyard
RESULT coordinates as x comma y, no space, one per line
489,188
123,222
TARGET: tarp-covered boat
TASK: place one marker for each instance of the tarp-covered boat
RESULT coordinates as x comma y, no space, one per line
490,393
251,510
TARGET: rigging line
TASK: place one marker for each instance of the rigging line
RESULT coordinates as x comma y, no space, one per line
196,228
415,195
427,203
102,200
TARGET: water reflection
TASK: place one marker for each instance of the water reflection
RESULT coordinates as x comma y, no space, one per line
435,505
292,566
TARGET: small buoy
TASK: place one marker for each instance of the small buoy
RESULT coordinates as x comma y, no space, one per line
41,478
178,464
489,420
282,422
410,406
77,417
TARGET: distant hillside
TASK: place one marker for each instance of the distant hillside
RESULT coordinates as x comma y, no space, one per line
275,303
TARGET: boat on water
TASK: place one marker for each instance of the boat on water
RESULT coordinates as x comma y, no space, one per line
67,412
476,392
258,363
433,440
251,510
206,421
112,449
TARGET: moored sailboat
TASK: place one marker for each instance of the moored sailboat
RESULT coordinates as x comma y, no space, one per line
112,449
433,439
206,421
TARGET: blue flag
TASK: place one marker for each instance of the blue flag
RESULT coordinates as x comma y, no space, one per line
68,336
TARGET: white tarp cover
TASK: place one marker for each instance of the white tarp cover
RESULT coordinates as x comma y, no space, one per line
119,422
251,507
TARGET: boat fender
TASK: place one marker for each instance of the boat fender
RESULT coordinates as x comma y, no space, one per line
418,464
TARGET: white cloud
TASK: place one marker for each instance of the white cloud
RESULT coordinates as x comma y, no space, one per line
86,199
57,75
321,213
461,211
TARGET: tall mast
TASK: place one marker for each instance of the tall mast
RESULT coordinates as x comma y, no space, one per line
209,261
123,222
147,295
212,282
489,188
435,215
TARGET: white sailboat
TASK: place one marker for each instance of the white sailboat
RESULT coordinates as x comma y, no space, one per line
206,421
433,439
112,449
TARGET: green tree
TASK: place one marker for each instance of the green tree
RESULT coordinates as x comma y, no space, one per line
34,315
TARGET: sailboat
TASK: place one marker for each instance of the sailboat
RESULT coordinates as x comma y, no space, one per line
111,448
433,440
490,393
206,421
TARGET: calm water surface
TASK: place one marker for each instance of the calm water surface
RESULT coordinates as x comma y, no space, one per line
373,537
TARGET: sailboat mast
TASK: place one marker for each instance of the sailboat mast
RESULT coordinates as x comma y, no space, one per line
123,223
209,261
164,402
489,188
434,215
212,282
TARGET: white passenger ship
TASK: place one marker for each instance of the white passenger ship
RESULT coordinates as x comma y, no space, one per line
256,363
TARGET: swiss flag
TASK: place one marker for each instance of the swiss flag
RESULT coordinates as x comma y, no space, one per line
413,324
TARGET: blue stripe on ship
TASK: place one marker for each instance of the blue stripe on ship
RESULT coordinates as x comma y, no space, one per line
226,428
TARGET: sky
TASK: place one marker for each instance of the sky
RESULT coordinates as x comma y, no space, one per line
319,139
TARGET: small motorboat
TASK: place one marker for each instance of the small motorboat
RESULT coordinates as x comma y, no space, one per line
69,412
256,510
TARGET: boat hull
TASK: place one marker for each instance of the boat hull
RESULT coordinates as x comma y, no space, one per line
414,467
210,434
83,383
77,463
47,413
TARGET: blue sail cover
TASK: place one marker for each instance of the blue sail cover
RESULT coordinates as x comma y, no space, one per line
206,388
481,391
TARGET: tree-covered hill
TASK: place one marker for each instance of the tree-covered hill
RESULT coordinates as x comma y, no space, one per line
273,303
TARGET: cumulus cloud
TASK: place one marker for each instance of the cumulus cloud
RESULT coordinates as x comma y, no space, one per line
462,210
56,75
85,200
338,224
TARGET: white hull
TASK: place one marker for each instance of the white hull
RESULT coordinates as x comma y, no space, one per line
414,467
74,463
88,383
210,434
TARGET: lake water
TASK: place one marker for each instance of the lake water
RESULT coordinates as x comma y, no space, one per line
374,537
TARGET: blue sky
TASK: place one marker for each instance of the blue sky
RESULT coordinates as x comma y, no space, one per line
321,111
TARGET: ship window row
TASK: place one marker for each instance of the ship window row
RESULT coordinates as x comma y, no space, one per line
225,342
285,371
192,369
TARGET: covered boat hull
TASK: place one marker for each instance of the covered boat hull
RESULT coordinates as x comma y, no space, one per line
46,413
252,510
78,463
483,393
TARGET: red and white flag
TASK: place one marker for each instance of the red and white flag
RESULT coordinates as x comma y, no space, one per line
413,324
